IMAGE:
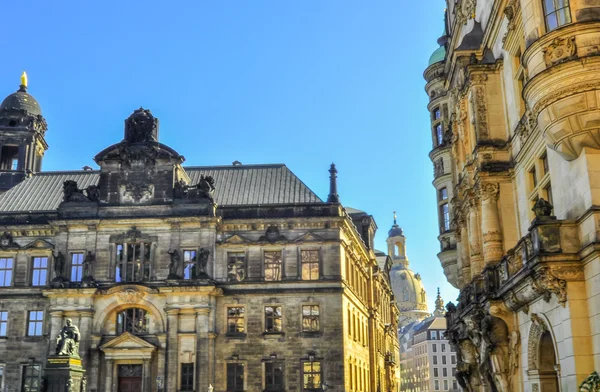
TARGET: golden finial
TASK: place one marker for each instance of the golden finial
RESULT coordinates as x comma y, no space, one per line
394,217
24,79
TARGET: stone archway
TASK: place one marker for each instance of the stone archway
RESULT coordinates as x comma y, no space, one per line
542,359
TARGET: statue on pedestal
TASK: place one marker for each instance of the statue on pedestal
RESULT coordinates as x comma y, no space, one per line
174,265
67,342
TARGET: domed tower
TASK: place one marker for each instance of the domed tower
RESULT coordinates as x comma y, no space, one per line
410,294
439,305
22,143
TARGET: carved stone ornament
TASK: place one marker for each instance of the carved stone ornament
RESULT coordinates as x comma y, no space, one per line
538,327
7,242
203,190
141,127
466,11
489,191
542,208
272,235
561,49
481,124
72,193
546,282
130,296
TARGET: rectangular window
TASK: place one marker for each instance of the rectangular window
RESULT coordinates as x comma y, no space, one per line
273,319
3,325
435,372
548,190
187,376
76,267
133,262
310,318
545,165
453,360
435,360
533,176
437,114
35,322
6,271
310,264
189,264
273,376
236,266
433,335
445,215
273,266
439,134
443,348
235,377
436,385
235,320
445,372
453,372
434,348
443,359
445,384
31,378
443,194
454,385
311,376
557,13
39,271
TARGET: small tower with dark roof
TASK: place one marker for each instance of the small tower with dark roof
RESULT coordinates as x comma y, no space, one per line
439,305
397,244
22,130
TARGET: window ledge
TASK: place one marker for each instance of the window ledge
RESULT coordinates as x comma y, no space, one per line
34,338
273,334
234,335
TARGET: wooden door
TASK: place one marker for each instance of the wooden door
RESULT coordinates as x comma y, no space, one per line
130,384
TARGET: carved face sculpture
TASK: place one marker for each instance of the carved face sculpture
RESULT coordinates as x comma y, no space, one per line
69,322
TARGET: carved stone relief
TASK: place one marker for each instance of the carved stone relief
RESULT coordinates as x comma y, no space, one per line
561,49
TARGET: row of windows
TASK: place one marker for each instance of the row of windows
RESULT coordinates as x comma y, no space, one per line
436,385
356,278
133,265
357,327
273,376
358,375
424,362
35,323
273,317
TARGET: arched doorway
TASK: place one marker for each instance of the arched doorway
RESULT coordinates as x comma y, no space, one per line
543,365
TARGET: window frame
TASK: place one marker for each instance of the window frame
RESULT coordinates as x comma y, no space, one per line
121,327
310,263
122,264
189,263
281,274
25,377
555,13
3,327
45,270
542,187
10,273
244,267
274,387
303,373
273,318
228,317
78,267
310,316
235,377
38,324
187,387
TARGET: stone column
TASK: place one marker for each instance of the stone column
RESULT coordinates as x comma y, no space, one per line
474,238
202,368
172,349
85,328
490,224
56,324
108,387
147,379
462,252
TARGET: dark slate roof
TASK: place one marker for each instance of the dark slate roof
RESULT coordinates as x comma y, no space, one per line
235,185
22,100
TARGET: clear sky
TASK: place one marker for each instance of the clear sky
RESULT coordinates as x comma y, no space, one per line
304,83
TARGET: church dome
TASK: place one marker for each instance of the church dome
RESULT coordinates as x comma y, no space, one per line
438,55
21,100
395,231
408,290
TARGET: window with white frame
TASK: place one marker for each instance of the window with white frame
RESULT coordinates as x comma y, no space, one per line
76,267
35,322
39,271
556,13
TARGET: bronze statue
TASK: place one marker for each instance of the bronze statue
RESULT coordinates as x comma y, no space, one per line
59,266
67,342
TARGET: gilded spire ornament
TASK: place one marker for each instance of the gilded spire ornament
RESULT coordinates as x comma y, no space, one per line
24,79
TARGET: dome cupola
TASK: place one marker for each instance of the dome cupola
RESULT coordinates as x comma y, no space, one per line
21,100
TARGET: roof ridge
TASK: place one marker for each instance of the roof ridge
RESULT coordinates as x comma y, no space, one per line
236,166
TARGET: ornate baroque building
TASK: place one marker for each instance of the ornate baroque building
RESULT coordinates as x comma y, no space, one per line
237,278
513,101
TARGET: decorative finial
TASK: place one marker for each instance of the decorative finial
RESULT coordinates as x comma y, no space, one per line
333,195
395,217
439,305
24,79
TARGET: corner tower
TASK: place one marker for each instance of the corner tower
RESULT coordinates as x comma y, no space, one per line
22,143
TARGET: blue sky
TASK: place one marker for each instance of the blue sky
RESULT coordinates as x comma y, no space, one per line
304,83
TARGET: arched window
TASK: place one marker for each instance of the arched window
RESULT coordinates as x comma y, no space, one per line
556,13
133,320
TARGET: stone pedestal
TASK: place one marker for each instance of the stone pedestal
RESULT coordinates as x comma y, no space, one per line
64,374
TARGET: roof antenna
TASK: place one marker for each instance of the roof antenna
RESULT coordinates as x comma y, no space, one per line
333,195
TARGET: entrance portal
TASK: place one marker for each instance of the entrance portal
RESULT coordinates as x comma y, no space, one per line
130,378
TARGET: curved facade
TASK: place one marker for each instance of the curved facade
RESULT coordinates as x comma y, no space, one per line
521,83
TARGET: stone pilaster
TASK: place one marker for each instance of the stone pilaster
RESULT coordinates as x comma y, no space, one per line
476,256
202,368
85,328
56,324
462,250
490,224
110,365
147,380
172,348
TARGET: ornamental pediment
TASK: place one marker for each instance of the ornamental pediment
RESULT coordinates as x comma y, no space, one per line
39,244
127,341
236,239
309,237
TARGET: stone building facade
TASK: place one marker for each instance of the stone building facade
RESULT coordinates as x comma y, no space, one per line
224,278
513,92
